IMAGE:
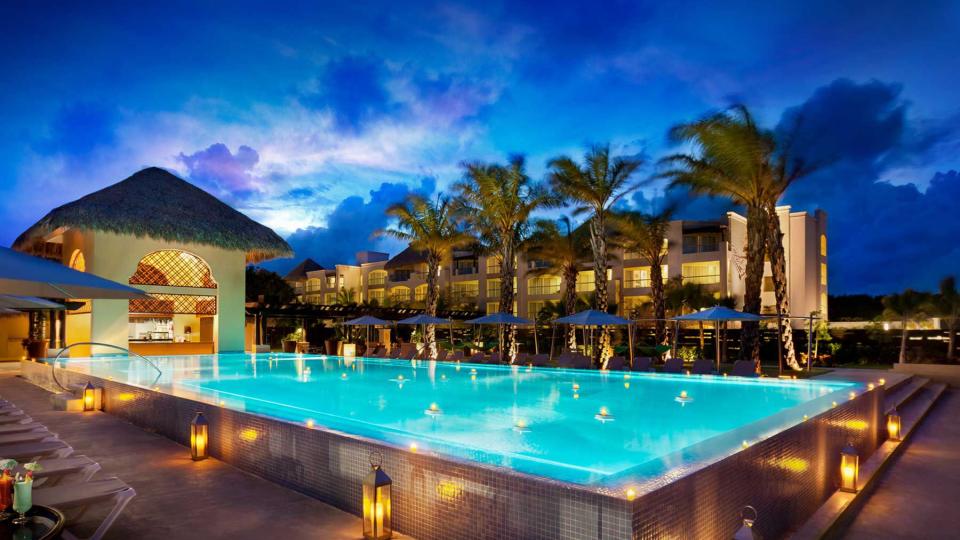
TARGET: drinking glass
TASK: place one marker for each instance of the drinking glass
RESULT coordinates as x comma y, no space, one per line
22,500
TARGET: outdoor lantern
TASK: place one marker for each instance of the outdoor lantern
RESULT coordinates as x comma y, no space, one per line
893,425
376,501
849,468
746,532
199,437
89,397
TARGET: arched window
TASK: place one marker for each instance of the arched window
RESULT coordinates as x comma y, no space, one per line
378,277
174,268
400,294
77,262
420,293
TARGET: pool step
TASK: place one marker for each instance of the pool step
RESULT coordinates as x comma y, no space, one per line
834,516
904,393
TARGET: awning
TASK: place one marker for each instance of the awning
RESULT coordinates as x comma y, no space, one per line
499,318
366,320
592,317
719,313
26,275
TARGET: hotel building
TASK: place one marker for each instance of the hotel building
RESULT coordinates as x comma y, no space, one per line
710,253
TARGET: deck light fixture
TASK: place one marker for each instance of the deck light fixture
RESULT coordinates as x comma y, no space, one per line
376,501
893,425
746,532
199,437
849,468
89,397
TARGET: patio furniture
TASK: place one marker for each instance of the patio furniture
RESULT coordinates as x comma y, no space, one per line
673,365
540,360
744,368
702,366
8,429
19,418
31,451
592,318
643,363
573,361
55,470
78,497
442,354
717,315
476,359
27,436
617,363
502,321
455,356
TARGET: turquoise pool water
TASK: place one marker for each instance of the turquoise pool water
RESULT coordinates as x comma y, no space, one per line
540,421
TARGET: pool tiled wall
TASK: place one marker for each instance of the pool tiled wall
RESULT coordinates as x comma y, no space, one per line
786,477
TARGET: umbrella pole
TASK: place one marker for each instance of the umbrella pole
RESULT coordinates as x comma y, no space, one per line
810,344
553,336
779,348
630,344
716,335
536,344
676,338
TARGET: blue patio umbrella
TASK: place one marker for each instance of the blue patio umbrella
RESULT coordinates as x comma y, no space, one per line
10,301
504,319
26,275
717,315
425,319
594,317
368,321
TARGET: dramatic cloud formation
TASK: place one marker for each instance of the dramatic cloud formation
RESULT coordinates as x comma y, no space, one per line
312,119
350,227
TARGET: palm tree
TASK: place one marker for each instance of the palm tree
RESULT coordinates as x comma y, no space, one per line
731,158
562,248
947,304
496,201
346,297
431,228
594,187
682,298
905,307
646,234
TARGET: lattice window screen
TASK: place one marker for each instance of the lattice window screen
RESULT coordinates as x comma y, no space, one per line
174,268
175,303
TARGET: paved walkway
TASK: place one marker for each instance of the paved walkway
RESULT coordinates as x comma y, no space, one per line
176,497
917,496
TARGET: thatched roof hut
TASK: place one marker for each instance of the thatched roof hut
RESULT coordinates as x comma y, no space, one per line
158,204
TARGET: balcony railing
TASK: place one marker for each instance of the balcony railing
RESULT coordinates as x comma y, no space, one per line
406,275
537,265
465,270
549,288
710,279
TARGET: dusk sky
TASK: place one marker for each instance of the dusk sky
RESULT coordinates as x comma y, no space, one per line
314,118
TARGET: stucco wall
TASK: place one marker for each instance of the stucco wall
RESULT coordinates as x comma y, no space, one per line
115,257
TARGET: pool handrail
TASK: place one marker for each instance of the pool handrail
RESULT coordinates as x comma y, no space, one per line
53,364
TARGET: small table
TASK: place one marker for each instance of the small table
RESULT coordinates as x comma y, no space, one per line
45,523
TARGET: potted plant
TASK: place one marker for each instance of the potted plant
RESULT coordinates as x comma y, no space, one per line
34,343
290,341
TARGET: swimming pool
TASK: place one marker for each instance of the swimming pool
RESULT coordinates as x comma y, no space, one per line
578,426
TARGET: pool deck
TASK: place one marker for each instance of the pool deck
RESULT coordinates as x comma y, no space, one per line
916,497
177,497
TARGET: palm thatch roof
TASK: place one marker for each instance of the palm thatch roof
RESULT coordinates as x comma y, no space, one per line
299,272
158,204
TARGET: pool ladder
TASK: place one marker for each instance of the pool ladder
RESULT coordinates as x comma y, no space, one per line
53,363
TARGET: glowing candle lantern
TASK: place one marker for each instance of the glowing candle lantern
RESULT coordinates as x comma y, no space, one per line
89,397
893,425
199,434
349,349
683,398
746,532
849,468
376,501
604,415
433,410
882,382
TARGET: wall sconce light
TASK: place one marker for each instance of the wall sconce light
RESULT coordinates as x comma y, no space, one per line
376,501
746,532
893,425
199,437
849,468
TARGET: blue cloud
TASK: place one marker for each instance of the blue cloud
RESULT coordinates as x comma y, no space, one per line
350,227
352,88
222,170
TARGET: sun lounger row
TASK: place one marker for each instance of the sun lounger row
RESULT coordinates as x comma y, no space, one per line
63,480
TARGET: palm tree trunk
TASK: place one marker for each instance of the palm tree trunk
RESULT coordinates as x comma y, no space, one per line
903,342
598,243
778,266
508,270
750,333
433,296
570,302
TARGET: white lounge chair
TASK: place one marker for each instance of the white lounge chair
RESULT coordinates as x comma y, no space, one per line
27,436
15,419
55,470
20,427
76,498
32,451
